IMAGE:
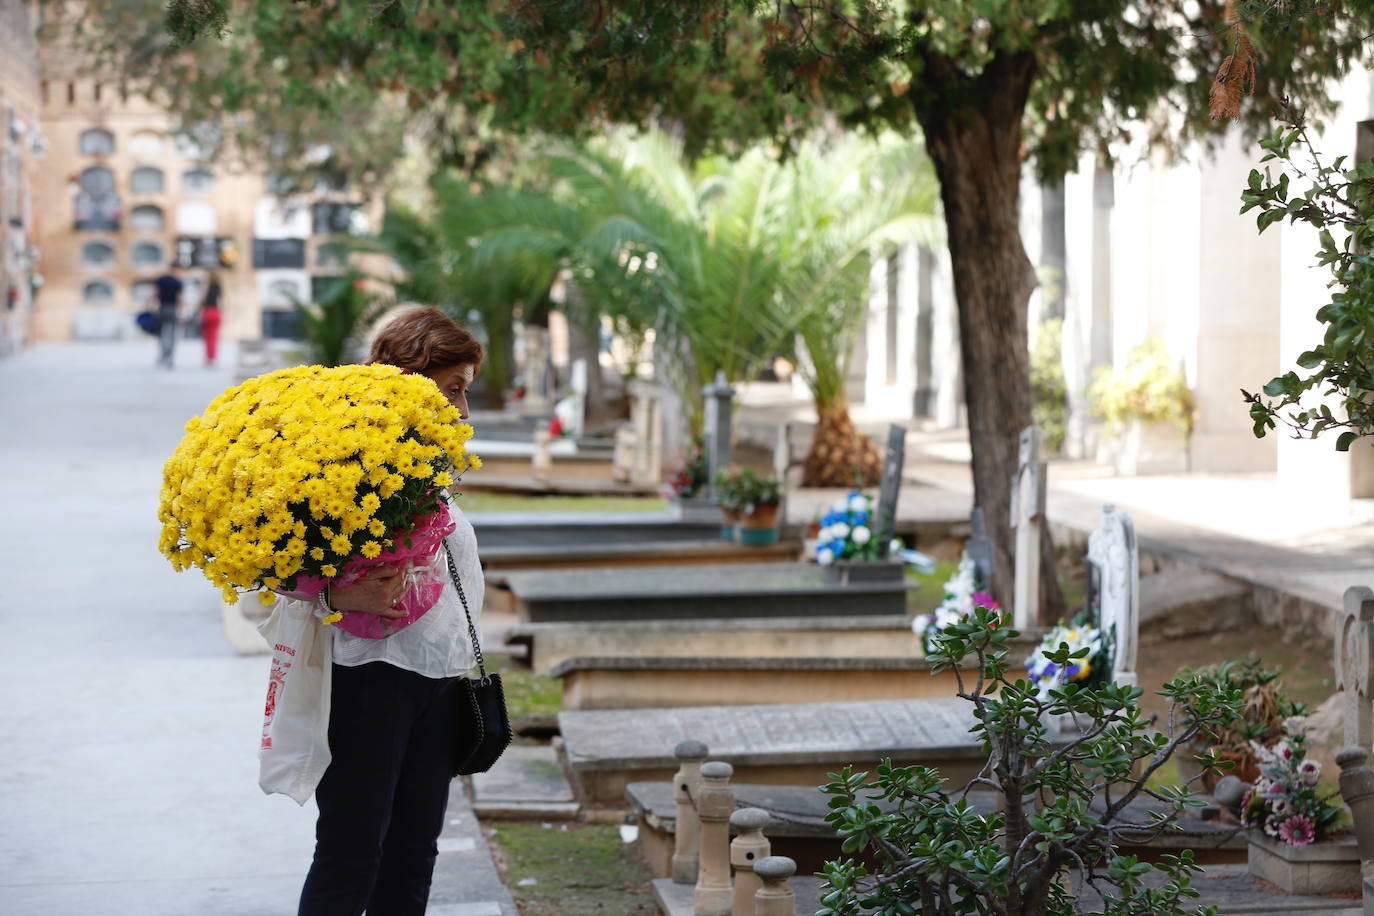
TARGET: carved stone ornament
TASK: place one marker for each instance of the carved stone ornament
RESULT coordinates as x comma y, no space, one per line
1354,645
1113,554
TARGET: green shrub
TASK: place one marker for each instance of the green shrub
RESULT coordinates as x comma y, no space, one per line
1060,802
1149,388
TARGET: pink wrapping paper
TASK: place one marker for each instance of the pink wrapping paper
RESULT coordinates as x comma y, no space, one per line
423,568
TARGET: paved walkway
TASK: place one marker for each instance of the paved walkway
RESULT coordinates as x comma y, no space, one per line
131,728
1242,525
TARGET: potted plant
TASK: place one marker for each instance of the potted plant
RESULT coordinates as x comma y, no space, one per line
760,498
847,548
1149,410
687,487
728,492
1268,711
1296,837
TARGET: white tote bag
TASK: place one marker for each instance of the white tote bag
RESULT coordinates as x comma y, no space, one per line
295,728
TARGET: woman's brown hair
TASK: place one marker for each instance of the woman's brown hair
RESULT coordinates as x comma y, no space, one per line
423,339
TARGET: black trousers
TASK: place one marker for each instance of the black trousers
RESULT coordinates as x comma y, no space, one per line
383,798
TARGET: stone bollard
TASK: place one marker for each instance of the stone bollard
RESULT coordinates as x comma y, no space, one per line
748,847
715,803
775,898
1357,788
686,785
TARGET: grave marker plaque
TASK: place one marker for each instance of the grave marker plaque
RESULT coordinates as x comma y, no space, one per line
890,489
719,398
980,548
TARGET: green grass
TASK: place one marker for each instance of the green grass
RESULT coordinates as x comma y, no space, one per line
578,870
511,502
527,693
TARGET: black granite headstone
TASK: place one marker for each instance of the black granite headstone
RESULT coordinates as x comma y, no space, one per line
890,488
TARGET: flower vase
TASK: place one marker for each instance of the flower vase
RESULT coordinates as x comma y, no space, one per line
1326,867
759,528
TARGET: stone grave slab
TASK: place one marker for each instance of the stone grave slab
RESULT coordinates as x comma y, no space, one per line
799,830
696,591
629,682
546,645
605,750
527,783
591,552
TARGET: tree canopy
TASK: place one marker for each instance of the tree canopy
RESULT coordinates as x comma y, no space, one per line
992,84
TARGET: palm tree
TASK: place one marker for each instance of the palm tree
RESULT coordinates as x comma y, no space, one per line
656,245
846,202
439,267
728,262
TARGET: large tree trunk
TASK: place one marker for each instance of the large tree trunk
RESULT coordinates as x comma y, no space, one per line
838,450
973,135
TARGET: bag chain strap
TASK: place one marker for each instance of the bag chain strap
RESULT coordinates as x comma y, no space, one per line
472,630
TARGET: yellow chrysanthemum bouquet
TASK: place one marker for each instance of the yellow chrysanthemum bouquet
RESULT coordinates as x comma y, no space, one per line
309,476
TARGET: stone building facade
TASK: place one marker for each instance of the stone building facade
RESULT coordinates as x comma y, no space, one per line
122,196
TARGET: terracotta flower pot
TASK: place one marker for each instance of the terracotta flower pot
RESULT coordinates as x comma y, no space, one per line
761,517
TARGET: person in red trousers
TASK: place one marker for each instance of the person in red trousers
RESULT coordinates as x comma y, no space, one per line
210,317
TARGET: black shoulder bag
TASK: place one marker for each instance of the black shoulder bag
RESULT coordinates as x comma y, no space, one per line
483,725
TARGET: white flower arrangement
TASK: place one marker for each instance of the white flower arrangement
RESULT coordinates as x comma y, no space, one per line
964,592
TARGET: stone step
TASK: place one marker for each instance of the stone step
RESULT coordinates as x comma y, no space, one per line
527,783
603,751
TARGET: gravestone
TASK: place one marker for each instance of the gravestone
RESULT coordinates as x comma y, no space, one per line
719,399
1355,677
890,489
605,750
1114,589
697,591
1027,515
980,548
1354,670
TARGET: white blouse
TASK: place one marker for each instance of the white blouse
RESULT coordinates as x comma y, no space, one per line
436,645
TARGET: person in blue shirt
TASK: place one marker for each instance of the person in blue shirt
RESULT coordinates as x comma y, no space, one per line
168,289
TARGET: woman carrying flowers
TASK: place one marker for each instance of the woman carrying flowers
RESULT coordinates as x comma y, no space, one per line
391,726
329,487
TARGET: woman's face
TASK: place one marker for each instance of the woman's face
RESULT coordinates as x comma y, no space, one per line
453,381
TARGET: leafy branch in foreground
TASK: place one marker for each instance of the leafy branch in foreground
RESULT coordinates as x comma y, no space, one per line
1064,800
1338,201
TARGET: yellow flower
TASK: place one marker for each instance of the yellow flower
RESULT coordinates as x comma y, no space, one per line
267,598
328,571
474,462
370,549
294,456
331,618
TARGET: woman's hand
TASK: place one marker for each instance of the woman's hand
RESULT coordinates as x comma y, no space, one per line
375,593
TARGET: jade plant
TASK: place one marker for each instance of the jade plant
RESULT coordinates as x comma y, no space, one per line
1062,798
